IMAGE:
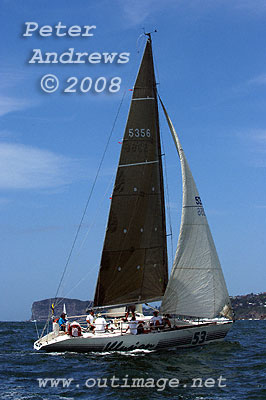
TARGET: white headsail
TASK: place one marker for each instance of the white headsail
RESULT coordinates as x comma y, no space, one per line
196,287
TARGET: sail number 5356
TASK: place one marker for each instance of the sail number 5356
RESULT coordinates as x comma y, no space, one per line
139,132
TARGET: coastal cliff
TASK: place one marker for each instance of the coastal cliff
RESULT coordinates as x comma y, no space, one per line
40,309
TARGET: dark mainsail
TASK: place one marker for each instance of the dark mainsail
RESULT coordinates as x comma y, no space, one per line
134,257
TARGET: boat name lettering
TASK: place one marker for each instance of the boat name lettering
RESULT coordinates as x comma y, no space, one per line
139,132
199,337
120,346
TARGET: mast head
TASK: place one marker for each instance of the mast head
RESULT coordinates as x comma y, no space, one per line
149,34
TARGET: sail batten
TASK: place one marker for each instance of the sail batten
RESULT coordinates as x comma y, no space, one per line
141,163
134,257
196,286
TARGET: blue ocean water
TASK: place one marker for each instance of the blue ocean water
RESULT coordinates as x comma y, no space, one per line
233,369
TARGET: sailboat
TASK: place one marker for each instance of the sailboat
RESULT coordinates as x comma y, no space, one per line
134,261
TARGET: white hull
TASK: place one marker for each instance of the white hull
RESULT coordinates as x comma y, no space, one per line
184,336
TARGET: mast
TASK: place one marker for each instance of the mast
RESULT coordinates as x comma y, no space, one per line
133,265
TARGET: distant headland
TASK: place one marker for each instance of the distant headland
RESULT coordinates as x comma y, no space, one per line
40,309
249,306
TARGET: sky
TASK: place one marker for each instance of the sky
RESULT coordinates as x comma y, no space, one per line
210,60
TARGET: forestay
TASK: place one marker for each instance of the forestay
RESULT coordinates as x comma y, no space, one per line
134,258
196,286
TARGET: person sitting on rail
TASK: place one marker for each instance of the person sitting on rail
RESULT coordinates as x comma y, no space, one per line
166,321
133,326
90,320
156,322
62,322
140,327
100,324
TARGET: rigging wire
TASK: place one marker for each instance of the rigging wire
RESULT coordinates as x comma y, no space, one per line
36,327
83,215
138,42
119,108
96,214
88,231
89,198
62,299
77,284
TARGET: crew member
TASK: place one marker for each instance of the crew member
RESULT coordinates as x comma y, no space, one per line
100,324
90,320
130,309
156,321
62,322
133,326
166,321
